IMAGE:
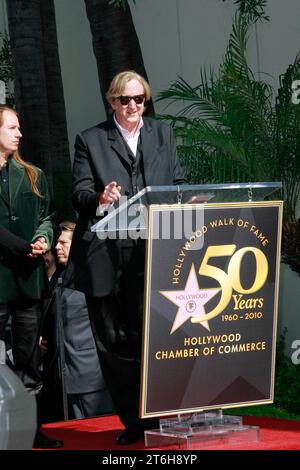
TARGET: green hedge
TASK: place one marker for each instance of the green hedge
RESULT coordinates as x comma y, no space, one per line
287,381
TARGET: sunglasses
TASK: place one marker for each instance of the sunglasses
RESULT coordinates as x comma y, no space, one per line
125,100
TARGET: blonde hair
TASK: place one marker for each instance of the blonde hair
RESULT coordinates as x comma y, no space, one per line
67,226
31,170
119,82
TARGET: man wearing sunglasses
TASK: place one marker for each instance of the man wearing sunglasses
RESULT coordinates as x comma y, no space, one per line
114,158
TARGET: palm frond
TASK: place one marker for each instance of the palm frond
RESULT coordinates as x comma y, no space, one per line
236,53
201,98
228,127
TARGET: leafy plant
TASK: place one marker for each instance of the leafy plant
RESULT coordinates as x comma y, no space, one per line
120,3
6,67
291,244
287,389
233,127
255,9
287,380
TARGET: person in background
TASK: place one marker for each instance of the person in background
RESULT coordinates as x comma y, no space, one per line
50,263
26,212
118,157
83,382
51,397
11,244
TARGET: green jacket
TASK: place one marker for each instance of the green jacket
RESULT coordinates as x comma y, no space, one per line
29,217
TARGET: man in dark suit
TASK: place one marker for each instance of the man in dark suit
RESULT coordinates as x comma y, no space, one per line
115,158
67,331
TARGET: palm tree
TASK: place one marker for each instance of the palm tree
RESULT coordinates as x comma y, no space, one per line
115,42
60,153
38,90
6,68
26,38
233,127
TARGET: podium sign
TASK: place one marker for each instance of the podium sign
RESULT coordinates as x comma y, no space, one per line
211,299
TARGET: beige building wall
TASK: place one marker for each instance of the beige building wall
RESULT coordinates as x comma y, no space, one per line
177,37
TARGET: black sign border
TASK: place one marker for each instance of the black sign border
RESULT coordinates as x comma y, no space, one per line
145,347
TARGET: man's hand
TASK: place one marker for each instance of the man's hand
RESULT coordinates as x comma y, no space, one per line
39,247
111,194
43,346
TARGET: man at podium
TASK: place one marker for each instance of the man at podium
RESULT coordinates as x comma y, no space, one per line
114,158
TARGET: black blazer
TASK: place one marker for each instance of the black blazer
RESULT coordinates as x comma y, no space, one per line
11,243
26,216
101,156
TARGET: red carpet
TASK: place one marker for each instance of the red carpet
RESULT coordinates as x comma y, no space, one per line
100,434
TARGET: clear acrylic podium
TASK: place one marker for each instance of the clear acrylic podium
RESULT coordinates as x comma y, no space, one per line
121,220
206,428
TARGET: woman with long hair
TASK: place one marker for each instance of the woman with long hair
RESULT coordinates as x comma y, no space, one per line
26,231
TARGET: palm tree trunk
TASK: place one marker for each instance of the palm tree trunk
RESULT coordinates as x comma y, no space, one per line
39,96
115,42
26,37
60,153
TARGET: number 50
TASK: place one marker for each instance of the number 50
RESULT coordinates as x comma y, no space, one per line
231,279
